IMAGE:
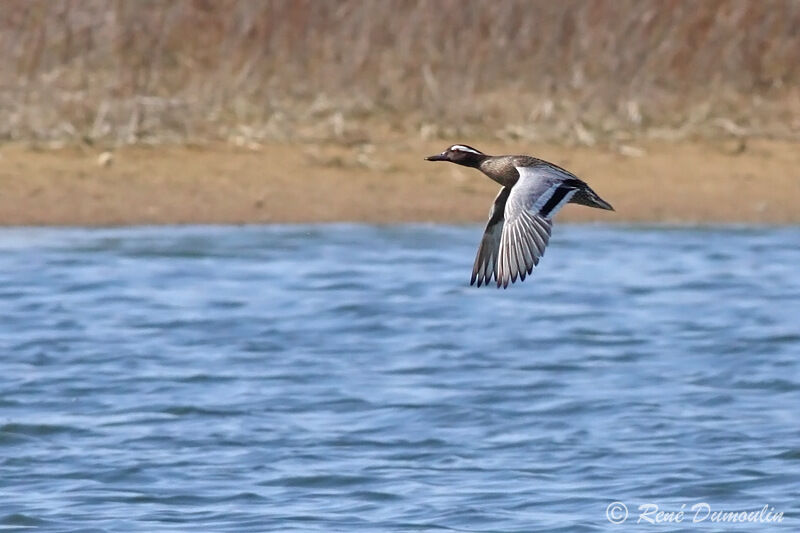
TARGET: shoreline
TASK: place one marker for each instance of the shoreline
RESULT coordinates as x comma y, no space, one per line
733,181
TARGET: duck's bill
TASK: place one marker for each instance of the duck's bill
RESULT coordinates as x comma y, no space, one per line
437,157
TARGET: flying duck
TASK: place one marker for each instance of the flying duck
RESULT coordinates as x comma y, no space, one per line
521,218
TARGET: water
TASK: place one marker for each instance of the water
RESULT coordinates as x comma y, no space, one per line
346,378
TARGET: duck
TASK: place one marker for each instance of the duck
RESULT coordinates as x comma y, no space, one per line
521,217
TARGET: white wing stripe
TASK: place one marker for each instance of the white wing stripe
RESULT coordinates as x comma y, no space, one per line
540,202
559,205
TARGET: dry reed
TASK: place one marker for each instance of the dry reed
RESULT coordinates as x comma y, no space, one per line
572,70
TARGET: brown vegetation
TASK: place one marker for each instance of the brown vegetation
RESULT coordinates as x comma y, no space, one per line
118,72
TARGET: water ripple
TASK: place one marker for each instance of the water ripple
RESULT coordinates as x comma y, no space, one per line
346,378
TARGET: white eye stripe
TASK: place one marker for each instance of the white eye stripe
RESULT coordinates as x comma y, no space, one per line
462,148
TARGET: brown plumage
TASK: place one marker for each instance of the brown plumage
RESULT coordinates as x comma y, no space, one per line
520,220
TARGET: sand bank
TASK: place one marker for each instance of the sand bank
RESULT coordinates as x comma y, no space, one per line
704,182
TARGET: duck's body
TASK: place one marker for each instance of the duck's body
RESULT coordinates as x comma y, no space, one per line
520,220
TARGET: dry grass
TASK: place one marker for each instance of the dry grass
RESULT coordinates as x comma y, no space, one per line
586,71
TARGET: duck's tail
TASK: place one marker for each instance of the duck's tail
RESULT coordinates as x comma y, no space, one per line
590,198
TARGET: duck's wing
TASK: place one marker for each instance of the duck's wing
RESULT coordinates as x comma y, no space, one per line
485,267
541,191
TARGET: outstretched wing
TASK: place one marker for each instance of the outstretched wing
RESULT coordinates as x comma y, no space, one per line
541,191
485,267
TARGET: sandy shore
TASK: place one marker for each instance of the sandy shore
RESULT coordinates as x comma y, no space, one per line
704,182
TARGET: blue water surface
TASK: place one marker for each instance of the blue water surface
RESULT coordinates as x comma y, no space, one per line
347,378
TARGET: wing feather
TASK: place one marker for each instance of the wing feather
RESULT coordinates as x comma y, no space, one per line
519,250
487,259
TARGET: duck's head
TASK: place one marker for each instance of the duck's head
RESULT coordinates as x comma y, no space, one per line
460,154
